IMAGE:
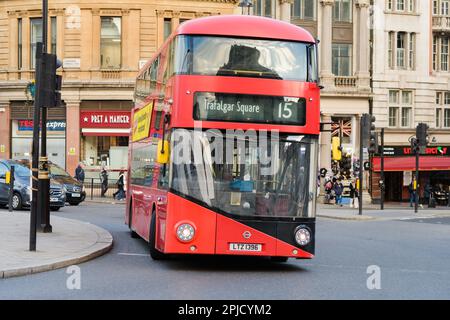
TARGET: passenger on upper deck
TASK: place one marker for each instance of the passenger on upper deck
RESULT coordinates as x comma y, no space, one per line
244,61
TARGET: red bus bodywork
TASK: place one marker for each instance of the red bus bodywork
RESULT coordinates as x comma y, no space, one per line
214,231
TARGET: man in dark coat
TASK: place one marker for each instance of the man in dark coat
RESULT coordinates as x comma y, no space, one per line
79,173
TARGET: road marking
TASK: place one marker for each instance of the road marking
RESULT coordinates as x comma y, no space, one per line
133,254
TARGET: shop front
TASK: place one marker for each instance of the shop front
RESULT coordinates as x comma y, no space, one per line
400,167
104,139
22,138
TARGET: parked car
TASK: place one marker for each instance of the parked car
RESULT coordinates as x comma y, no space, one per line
73,189
22,187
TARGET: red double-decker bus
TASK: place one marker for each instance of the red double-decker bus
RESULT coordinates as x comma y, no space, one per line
224,142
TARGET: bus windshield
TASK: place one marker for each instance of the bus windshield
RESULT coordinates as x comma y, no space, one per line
242,57
246,175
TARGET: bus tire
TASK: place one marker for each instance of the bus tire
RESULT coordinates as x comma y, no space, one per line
279,259
133,233
154,253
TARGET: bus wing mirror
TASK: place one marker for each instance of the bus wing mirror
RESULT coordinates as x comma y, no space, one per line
163,152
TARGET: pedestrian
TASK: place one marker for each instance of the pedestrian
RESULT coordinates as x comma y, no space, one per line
427,193
120,193
412,195
104,181
79,173
352,195
448,197
328,188
338,190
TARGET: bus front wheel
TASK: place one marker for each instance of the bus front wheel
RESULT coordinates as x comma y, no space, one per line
154,253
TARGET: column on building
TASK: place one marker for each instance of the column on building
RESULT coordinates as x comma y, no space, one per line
363,45
5,120
72,135
159,27
13,44
325,143
96,31
325,46
285,10
325,149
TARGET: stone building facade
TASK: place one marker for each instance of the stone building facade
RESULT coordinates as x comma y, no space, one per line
102,44
411,84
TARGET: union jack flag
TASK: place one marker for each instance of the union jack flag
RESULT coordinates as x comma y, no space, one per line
346,128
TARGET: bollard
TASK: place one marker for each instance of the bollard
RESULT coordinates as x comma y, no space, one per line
92,188
10,181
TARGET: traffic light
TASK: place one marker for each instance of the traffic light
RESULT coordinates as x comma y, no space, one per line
336,151
50,82
421,136
373,143
368,134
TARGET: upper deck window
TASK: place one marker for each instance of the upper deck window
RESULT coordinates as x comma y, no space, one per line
241,57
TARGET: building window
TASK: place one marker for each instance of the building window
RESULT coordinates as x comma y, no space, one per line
389,5
447,118
401,6
53,34
393,116
263,8
36,36
435,53
111,43
304,9
435,7
412,49
400,103
342,10
444,54
445,7
406,105
167,27
406,117
401,49
342,59
391,40
393,97
411,6
438,117
19,43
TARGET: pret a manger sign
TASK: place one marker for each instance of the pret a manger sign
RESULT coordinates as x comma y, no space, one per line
105,119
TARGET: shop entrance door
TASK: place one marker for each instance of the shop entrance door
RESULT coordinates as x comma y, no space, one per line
394,186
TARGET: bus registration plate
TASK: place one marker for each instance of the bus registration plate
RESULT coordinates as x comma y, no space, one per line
245,247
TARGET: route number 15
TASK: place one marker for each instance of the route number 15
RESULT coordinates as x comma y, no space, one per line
285,109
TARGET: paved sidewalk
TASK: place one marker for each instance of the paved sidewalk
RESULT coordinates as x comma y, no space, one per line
71,242
374,213
105,200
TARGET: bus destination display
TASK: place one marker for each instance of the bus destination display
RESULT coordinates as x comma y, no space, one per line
249,108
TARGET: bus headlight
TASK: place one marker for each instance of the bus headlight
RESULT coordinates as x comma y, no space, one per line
185,232
302,235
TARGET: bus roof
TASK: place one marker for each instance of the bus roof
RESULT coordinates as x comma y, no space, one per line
245,26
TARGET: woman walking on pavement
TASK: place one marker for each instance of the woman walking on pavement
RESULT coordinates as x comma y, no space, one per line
120,193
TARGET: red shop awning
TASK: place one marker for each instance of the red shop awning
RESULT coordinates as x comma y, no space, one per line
409,163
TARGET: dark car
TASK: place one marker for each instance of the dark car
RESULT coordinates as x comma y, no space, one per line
74,189
22,187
